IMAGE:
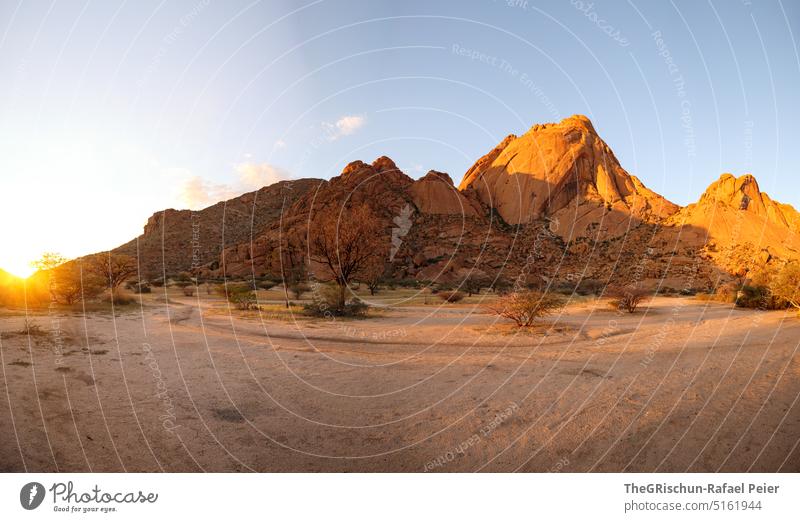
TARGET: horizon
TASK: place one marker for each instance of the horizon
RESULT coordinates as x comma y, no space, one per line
115,112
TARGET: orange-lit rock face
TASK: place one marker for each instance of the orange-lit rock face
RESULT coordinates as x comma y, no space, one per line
436,194
734,212
555,196
563,171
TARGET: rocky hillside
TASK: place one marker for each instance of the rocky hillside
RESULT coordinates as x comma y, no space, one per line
737,225
181,240
552,206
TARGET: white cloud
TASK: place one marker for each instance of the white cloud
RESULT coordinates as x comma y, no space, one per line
253,176
344,126
196,192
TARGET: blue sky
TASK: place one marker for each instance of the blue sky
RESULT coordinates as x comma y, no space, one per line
112,110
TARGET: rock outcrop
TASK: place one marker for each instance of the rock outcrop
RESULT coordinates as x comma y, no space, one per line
435,194
737,224
550,207
181,240
566,173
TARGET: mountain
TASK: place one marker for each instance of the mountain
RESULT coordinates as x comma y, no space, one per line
566,173
552,206
181,240
736,223
434,208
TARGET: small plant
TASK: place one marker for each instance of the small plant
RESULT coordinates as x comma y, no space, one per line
326,303
525,307
267,284
242,297
761,297
474,284
451,296
626,298
118,297
31,328
589,287
298,289
188,291
138,287
786,285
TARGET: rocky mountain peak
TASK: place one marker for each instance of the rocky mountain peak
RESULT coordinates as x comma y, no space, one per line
555,169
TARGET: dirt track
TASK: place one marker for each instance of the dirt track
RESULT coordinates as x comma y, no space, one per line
684,386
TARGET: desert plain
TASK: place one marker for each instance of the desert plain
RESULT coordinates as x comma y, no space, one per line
185,384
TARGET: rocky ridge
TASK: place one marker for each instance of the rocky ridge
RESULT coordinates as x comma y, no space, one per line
552,206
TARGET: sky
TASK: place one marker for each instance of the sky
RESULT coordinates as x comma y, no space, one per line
112,110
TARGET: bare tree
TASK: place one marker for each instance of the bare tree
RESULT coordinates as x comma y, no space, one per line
526,306
115,269
373,275
346,245
290,260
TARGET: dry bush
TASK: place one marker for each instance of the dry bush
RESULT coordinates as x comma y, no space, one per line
725,293
267,284
526,306
325,303
786,284
242,297
474,284
118,297
627,298
298,289
451,296
188,291
33,329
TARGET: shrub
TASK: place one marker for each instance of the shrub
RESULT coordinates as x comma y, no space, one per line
474,284
325,303
118,297
786,285
71,285
626,298
502,287
760,297
138,287
33,329
298,289
451,296
183,277
526,306
242,297
589,287
158,282
725,293
267,284
188,291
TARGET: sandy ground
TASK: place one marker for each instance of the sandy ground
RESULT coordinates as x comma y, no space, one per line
681,386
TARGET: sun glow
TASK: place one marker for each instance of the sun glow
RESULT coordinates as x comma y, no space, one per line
20,268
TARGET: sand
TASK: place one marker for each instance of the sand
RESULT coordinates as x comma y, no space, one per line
682,385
